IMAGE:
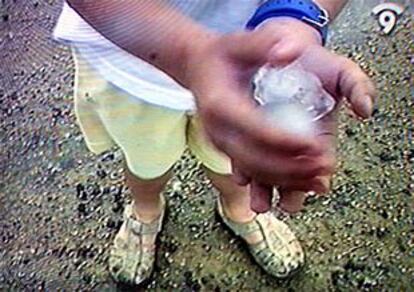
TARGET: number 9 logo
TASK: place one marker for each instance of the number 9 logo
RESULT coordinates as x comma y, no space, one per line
388,14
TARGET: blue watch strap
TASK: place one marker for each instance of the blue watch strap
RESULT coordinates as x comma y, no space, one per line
305,10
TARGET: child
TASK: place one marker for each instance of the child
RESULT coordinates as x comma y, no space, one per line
134,60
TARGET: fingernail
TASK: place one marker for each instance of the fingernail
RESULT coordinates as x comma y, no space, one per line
318,187
367,106
292,202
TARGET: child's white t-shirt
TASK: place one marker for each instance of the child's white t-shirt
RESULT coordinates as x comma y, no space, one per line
135,76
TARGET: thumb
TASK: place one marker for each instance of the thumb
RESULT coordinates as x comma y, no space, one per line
253,46
284,53
342,77
292,202
261,197
238,176
358,88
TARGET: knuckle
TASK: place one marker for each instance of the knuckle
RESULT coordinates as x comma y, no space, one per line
325,181
207,111
327,167
347,63
221,144
321,168
372,89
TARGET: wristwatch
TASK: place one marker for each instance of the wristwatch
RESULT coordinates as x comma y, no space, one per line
305,10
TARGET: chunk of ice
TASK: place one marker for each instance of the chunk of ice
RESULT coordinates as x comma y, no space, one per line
292,98
290,117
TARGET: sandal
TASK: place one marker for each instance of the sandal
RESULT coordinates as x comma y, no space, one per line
131,261
279,253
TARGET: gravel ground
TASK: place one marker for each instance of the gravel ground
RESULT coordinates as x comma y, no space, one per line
60,206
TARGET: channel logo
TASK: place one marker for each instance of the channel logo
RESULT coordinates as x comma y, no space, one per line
388,14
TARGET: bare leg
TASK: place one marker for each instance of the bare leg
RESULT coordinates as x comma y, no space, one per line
280,253
146,195
236,202
133,252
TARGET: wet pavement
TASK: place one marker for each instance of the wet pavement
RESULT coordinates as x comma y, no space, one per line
60,206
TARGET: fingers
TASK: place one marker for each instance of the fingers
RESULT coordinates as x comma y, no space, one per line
358,88
326,183
284,171
292,197
271,166
237,118
341,77
315,184
244,46
285,52
239,177
261,197
274,167
327,131
235,126
292,202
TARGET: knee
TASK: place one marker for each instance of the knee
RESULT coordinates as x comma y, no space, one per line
224,183
147,185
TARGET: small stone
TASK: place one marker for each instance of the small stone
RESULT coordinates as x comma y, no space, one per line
82,209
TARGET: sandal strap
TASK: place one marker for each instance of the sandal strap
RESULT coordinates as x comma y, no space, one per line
140,228
258,224
278,253
240,229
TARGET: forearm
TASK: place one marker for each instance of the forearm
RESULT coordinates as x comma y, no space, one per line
154,31
333,7
148,29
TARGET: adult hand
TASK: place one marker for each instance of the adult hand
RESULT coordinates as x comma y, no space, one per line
219,73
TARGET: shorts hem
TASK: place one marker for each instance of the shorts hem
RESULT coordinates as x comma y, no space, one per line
99,148
149,175
218,168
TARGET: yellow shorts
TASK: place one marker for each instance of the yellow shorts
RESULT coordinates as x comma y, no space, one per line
152,138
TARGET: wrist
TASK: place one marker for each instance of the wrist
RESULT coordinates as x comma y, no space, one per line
307,11
307,33
191,52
